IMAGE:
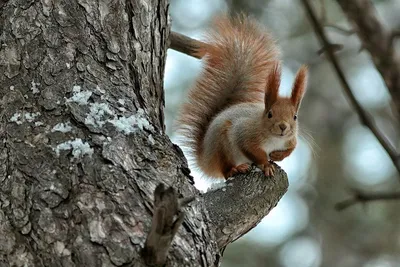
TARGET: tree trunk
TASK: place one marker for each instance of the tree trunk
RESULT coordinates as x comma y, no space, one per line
84,145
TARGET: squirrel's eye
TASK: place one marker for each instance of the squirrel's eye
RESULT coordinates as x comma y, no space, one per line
269,114
295,117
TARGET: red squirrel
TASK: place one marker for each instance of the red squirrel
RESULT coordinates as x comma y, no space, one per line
234,116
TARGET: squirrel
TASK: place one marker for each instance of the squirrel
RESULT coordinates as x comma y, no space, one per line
234,116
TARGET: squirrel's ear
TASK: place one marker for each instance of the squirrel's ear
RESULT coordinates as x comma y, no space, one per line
299,86
272,86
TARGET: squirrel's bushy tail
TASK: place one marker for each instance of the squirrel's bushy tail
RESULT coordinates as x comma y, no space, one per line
238,57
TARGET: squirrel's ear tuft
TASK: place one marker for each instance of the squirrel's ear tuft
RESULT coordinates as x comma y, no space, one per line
272,86
299,86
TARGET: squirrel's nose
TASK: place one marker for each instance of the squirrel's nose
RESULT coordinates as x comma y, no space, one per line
283,126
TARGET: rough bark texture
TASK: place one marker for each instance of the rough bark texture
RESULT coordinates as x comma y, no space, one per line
252,194
83,143
377,40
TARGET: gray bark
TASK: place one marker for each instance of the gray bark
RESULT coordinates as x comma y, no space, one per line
83,143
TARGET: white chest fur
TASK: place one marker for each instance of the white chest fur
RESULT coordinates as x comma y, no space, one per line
273,144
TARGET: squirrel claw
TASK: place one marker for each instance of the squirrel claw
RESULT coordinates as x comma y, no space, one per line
269,169
242,168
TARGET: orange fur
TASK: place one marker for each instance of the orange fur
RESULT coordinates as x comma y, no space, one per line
238,56
299,87
241,69
272,86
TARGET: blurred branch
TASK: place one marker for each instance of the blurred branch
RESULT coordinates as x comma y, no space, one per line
364,116
186,45
395,34
340,29
335,48
324,20
378,41
362,197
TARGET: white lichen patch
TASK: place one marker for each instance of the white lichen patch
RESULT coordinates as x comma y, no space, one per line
130,124
97,114
78,96
124,124
20,117
101,113
79,148
34,87
151,139
62,127
30,117
39,123
96,231
16,118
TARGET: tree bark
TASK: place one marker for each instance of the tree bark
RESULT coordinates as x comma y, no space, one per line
83,144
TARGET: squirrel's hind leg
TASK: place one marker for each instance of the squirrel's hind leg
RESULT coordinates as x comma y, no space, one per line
242,168
227,163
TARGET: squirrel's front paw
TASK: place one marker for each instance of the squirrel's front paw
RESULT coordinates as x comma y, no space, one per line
280,155
269,169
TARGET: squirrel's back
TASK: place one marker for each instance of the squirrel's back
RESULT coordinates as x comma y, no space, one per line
239,54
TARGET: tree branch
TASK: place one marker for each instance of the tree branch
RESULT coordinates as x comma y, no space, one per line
362,197
395,34
241,204
378,41
364,116
167,218
340,29
186,45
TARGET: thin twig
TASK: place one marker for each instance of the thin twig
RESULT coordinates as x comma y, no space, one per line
323,15
324,21
395,34
186,45
364,116
340,29
334,47
362,197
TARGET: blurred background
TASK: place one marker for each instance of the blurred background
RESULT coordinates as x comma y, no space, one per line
335,154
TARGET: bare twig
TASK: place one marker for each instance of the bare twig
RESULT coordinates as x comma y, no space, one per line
393,36
340,29
186,45
378,41
335,48
164,226
362,197
364,116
